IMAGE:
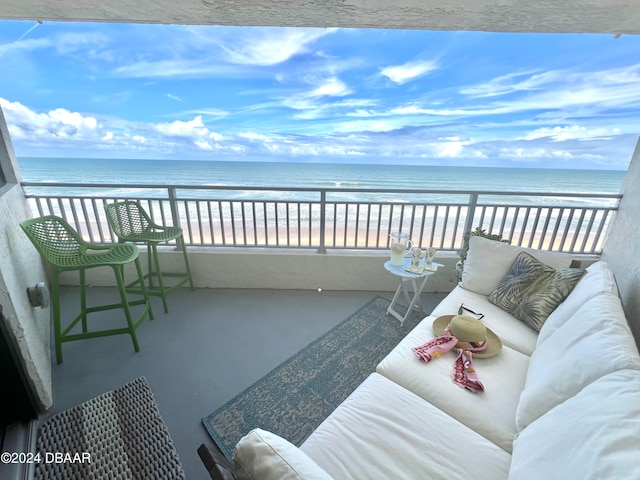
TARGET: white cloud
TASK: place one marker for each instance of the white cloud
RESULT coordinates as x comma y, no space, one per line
573,132
174,97
88,43
409,71
367,126
24,123
191,129
203,145
254,136
513,82
24,46
214,113
417,110
168,68
580,93
451,147
269,46
316,102
330,87
220,52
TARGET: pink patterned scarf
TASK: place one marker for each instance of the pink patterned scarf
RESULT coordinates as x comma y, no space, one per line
464,374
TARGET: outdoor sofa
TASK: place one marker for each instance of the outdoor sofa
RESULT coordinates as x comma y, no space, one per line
559,403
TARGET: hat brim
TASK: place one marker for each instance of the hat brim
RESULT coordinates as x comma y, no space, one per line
494,344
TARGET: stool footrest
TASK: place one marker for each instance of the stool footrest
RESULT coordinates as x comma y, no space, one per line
65,336
131,287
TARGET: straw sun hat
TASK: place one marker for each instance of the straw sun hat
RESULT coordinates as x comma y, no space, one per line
468,329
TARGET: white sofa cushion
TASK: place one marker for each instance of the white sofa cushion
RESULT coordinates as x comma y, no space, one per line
595,341
513,333
490,413
262,455
591,436
598,279
488,261
384,431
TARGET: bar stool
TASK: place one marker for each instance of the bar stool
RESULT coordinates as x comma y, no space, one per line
131,223
65,250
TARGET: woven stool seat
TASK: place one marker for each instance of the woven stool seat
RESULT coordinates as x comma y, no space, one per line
131,223
151,234
65,250
119,254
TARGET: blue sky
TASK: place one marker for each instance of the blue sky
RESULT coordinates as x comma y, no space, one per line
333,95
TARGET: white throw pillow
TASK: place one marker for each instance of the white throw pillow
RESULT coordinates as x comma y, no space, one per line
598,279
592,436
594,342
489,260
266,456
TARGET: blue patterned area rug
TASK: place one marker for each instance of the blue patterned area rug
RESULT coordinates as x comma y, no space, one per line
294,398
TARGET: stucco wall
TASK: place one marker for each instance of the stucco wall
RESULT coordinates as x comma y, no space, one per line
20,267
286,269
622,246
571,16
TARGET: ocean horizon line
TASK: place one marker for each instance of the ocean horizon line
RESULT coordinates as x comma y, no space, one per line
325,161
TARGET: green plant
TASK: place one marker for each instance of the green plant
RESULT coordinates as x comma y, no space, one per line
480,232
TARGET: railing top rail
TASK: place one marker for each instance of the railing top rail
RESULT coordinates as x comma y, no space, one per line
320,189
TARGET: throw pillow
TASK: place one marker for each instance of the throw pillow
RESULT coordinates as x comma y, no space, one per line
264,455
523,272
531,290
544,294
488,260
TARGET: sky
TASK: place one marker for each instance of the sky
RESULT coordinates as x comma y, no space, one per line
96,90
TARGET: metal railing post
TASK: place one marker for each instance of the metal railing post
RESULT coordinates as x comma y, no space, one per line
173,206
471,212
323,221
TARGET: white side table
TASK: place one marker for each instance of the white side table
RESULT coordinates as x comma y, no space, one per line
417,282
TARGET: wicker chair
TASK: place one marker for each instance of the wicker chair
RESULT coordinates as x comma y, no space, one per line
65,250
131,223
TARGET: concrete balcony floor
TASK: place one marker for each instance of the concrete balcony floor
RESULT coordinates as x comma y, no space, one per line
211,345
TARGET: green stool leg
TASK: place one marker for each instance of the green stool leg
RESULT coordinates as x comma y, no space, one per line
145,294
154,248
186,261
119,273
55,297
83,300
150,264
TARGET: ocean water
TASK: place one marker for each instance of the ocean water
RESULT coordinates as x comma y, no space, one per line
316,175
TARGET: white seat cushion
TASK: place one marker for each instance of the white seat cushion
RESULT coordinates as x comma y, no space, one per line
384,431
490,413
488,261
591,436
595,341
598,279
513,333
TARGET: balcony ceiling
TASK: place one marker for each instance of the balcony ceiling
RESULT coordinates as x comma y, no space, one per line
595,16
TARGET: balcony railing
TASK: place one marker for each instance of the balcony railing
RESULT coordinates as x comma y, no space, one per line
338,218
